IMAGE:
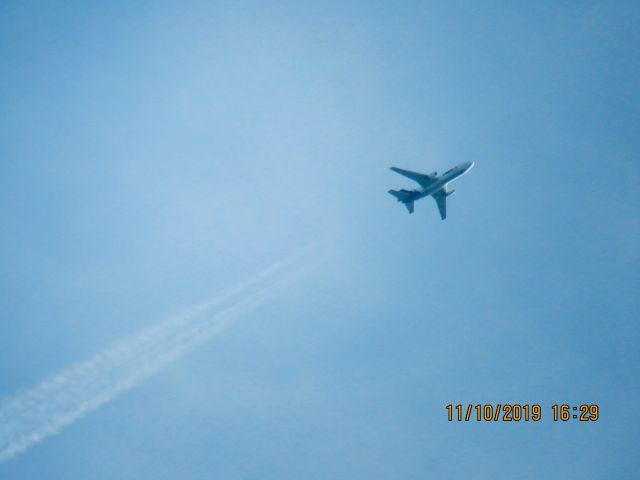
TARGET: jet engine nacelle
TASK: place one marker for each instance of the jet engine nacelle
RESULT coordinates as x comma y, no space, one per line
433,174
450,192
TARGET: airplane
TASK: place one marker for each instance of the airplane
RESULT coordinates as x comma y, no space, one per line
430,184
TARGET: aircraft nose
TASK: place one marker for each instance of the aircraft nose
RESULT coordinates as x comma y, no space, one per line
467,165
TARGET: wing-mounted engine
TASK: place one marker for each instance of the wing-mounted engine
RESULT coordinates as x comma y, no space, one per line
433,174
450,192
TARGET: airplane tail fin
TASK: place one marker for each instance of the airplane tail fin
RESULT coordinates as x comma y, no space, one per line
403,196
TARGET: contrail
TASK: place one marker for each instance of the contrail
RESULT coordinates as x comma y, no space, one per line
46,409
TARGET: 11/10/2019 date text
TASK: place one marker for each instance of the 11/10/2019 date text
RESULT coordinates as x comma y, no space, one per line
516,412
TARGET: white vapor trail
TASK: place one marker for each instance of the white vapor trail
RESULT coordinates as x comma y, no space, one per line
44,410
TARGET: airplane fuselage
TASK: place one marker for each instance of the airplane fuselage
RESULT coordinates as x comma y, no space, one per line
441,182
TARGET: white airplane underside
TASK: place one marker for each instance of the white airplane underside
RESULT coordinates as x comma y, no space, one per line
431,184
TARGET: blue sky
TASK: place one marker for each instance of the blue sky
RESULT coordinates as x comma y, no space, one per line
152,154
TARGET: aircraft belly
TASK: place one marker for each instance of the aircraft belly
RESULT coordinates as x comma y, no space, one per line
433,189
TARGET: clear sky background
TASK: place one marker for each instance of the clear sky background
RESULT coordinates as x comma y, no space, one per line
153,153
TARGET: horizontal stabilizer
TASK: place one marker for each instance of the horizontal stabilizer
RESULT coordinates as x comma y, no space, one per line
401,195
409,206
404,196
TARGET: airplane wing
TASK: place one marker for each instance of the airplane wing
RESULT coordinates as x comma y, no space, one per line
441,201
422,179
